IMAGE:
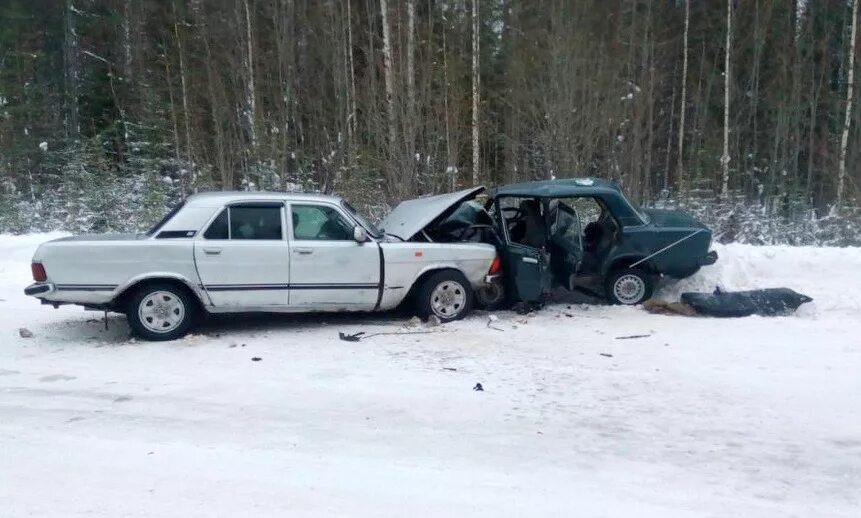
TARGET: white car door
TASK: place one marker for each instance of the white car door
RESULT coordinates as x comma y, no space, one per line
243,257
327,266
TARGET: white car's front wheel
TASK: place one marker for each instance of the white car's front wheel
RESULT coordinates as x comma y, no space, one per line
446,294
161,312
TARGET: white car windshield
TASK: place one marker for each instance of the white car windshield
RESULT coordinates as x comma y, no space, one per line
370,227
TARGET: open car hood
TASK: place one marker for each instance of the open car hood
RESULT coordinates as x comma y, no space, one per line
411,216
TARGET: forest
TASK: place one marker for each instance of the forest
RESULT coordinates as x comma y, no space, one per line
740,111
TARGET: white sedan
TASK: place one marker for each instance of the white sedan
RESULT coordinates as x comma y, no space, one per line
265,252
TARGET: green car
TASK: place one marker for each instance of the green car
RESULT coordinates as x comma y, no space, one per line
579,234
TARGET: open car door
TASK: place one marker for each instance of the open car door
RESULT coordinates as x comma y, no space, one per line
527,271
527,268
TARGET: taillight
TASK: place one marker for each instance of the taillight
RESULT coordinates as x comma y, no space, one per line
39,274
495,266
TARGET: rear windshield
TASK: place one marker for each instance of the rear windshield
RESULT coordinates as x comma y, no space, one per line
163,221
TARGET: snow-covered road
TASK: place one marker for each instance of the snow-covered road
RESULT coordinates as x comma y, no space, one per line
704,417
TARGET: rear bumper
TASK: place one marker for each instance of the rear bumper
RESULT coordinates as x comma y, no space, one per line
39,289
709,258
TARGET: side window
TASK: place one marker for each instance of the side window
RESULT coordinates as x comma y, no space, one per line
320,223
587,208
260,222
218,228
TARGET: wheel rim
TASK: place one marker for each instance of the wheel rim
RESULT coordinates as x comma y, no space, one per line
629,289
448,299
161,311
490,294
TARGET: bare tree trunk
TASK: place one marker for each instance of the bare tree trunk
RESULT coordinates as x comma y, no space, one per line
173,119
71,72
394,186
680,169
476,95
219,151
451,167
352,72
410,122
847,121
185,116
724,160
128,71
250,89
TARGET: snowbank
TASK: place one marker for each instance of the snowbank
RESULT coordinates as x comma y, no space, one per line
821,273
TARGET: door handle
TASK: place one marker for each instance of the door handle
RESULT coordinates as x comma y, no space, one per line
530,260
303,251
212,251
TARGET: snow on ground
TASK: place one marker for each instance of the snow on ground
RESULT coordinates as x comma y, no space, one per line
704,417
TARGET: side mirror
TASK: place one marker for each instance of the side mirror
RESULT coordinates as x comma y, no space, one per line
359,234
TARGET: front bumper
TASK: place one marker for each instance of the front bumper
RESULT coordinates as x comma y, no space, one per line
709,258
39,288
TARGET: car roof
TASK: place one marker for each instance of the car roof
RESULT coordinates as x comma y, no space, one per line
218,198
558,188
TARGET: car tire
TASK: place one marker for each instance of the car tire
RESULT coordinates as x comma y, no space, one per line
446,295
491,296
629,286
160,312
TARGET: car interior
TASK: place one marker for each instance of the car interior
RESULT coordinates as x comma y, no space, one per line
576,233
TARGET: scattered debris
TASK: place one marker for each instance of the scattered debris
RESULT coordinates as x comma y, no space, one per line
231,346
449,369
122,399
632,337
433,321
662,307
413,322
608,355
25,333
355,337
490,320
256,359
478,388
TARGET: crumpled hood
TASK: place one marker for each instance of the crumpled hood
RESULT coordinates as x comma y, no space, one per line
411,216
673,219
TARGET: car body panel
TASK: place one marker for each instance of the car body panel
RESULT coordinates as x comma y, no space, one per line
249,275
662,242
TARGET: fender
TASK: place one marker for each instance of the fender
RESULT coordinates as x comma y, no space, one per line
194,287
442,265
630,257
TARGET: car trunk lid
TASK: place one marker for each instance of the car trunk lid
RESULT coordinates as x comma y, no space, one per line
672,219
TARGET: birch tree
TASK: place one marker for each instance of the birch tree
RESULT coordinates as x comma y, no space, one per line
724,160
684,95
71,72
388,78
847,120
476,95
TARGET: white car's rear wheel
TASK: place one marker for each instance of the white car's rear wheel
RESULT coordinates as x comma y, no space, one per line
446,294
161,312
